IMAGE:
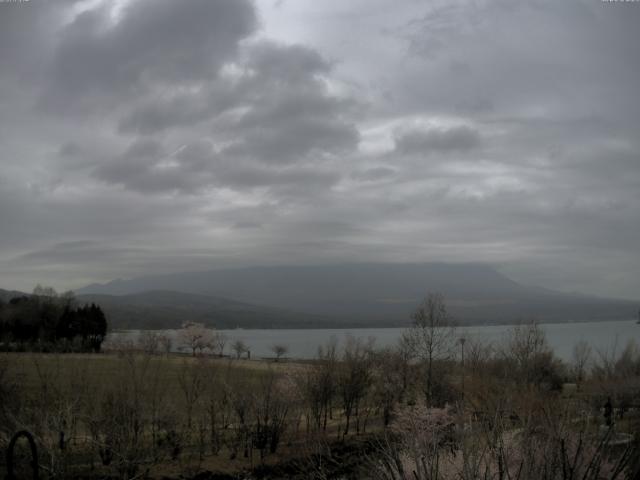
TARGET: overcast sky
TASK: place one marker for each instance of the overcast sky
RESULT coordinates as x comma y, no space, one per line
152,136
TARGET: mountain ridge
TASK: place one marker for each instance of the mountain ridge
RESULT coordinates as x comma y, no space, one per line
381,293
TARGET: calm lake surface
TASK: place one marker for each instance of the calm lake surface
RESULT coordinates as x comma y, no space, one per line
602,336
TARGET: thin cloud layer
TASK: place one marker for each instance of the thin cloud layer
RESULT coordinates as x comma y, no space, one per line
423,142
148,136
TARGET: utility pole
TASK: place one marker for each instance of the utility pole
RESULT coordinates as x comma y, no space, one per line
463,433
462,341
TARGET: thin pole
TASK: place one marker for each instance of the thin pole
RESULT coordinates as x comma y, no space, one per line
462,341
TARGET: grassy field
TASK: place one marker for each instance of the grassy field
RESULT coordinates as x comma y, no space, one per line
28,368
132,415
171,396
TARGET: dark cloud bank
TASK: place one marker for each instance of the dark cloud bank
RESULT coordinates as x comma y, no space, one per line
154,136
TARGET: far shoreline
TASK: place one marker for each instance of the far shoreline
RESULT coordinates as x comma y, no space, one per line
385,327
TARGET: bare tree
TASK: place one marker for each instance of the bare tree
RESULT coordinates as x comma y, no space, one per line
157,403
526,341
239,347
165,342
628,363
529,357
404,356
389,381
279,350
239,394
117,418
149,342
354,379
431,336
191,380
45,292
272,402
414,446
581,358
219,342
317,386
218,407
477,354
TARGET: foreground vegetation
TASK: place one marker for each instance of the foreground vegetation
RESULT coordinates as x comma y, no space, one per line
417,411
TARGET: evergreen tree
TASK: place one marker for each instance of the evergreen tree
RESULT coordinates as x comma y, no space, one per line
47,318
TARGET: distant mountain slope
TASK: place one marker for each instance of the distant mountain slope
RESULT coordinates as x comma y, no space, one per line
167,309
6,295
381,294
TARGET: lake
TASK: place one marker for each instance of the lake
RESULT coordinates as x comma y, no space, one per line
303,343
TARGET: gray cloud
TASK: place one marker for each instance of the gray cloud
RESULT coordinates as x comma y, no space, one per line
167,110
145,167
250,225
79,252
154,43
296,141
287,63
438,140
291,113
134,139
288,120
374,174
277,86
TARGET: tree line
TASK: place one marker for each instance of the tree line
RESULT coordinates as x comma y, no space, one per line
48,321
